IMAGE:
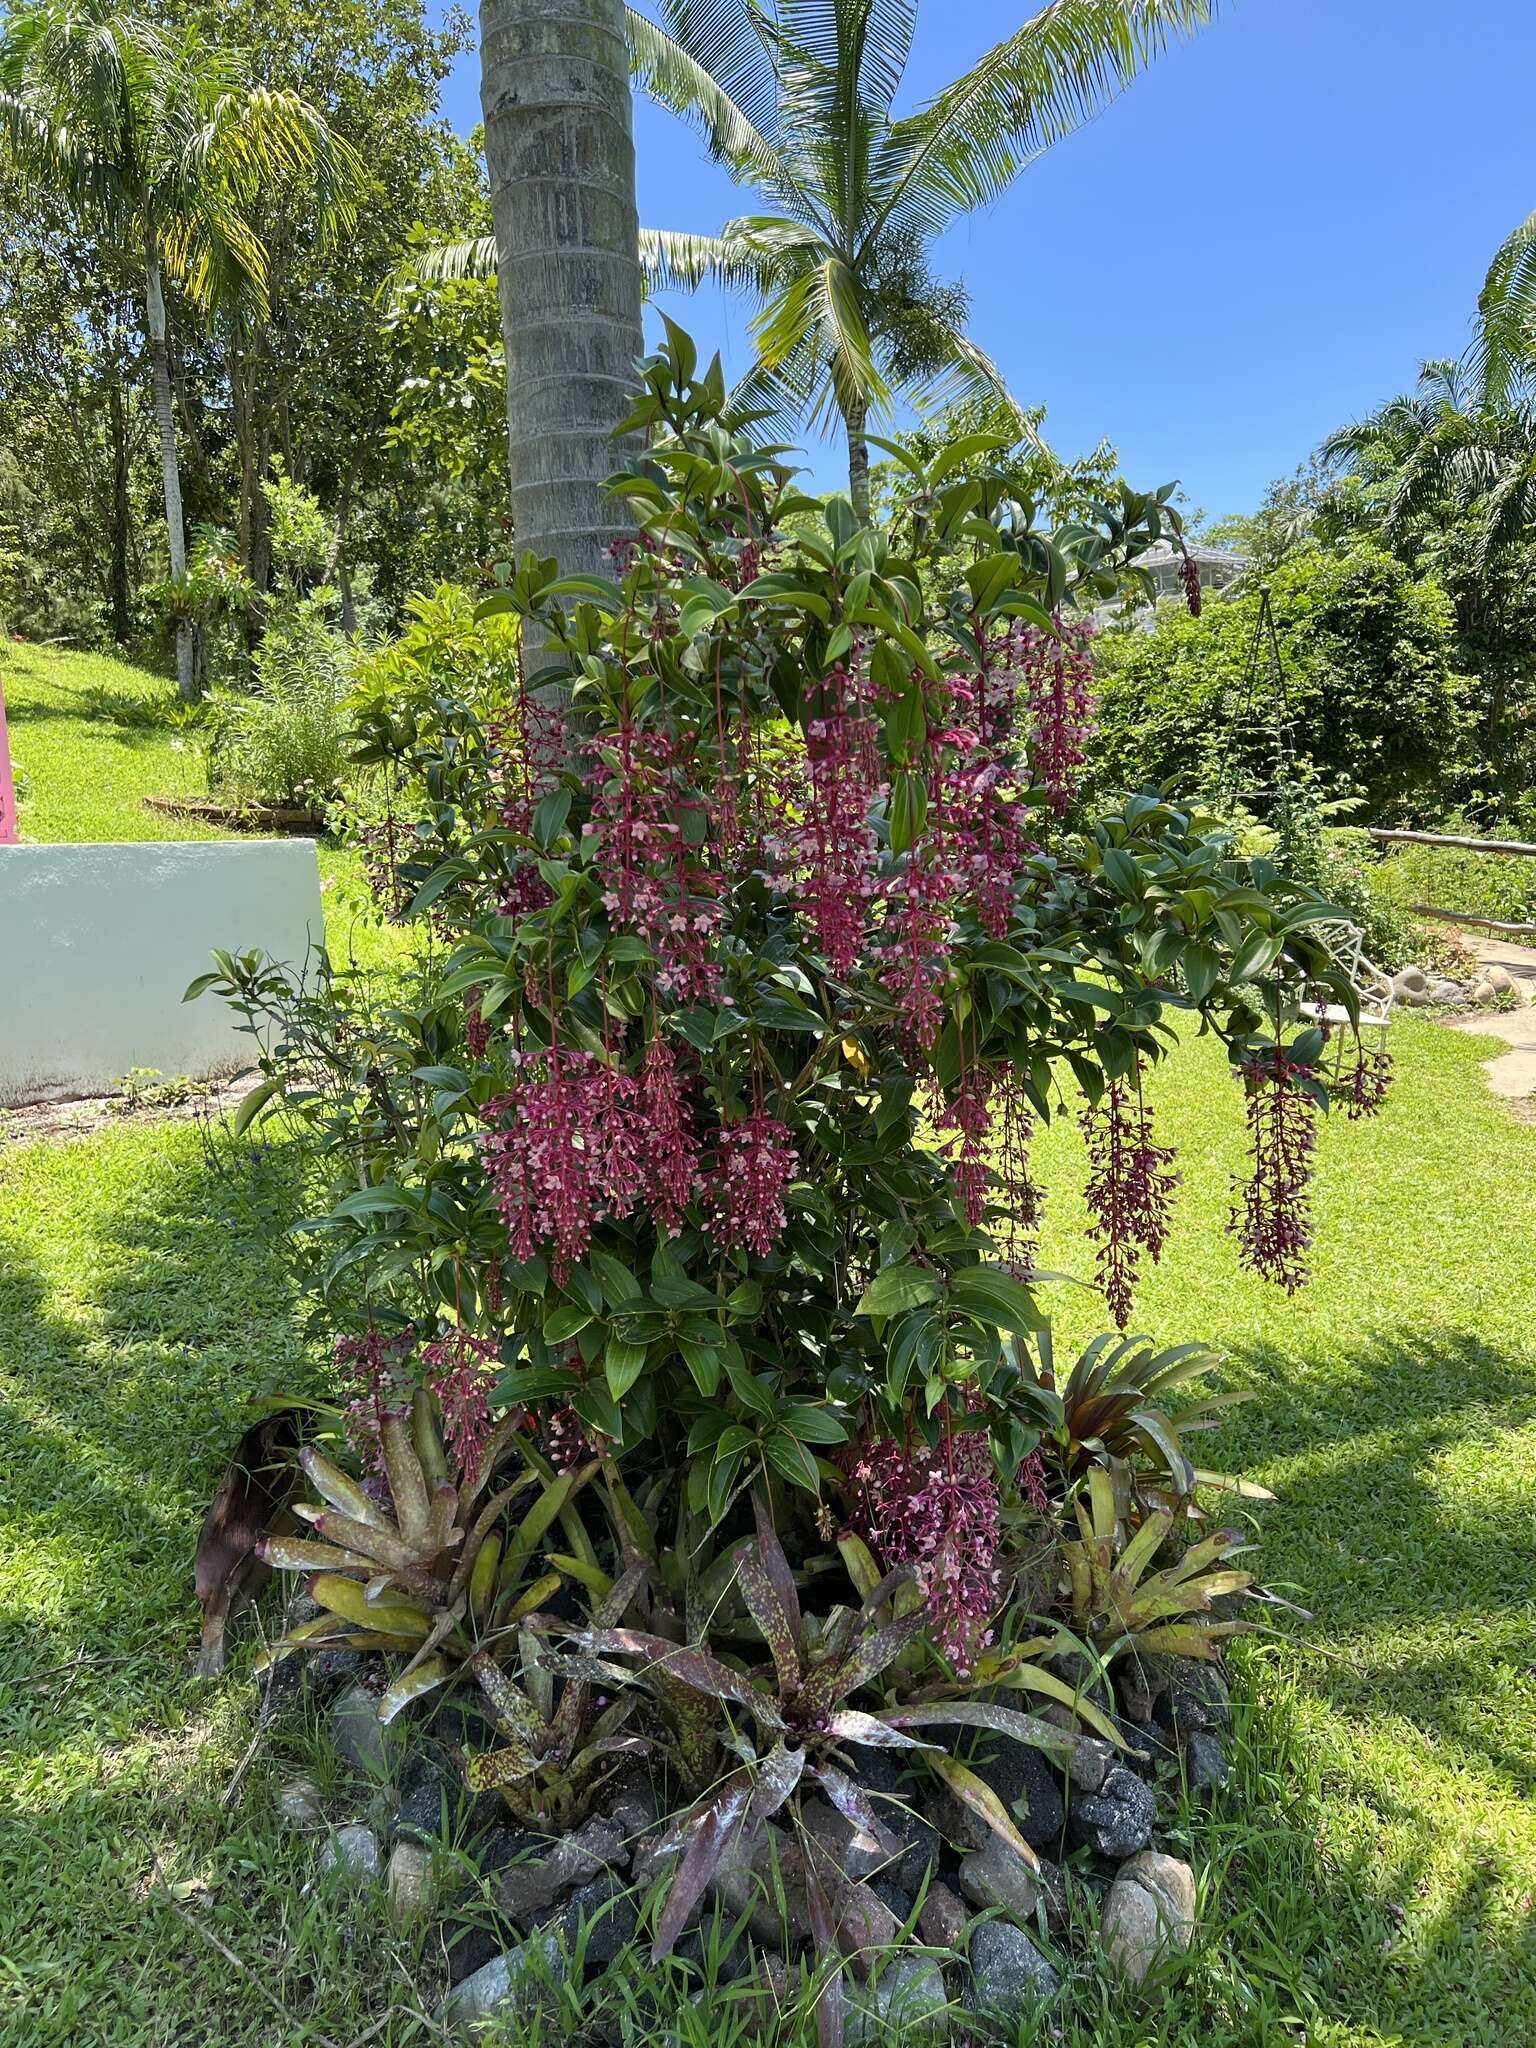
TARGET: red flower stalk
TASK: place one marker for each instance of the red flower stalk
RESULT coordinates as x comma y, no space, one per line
456,1373
477,1033
1364,1089
559,1153
826,849
937,1511
1271,1216
1057,679
1129,1191
374,1385
745,1183
656,880
967,1116
1014,1128
671,1151
1189,575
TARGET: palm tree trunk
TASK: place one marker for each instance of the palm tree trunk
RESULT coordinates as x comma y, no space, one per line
121,513
560,151
856,421
165,420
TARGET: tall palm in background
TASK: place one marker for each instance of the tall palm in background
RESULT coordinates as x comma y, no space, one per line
1505,347
795,98
159,145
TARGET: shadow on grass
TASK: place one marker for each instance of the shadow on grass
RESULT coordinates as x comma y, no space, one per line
118,1419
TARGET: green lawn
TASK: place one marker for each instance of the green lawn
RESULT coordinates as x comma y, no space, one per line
92,736
1370,1885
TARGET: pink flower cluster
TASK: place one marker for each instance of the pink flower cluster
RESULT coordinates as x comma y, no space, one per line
561,1152
1056,675
656,879
1272,1214
745,1183
574,1141
938,1511
1130,1191
1021,1199
1189,576
456,1372
1364,1088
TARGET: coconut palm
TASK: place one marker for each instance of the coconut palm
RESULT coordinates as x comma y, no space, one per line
795,97
159,144
554,85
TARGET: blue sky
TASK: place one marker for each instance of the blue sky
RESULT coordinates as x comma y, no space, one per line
1262,238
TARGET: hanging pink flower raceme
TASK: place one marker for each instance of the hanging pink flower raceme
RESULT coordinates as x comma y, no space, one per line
1189,576
915,938
477,1033
963,1125
1271,1214
457,1372
977,801
745,1183
374,1385
1364,1088
524,751
655,876
825,849
671,1150
936,1509
1056,676
1021,1199
558,1153
1129,1192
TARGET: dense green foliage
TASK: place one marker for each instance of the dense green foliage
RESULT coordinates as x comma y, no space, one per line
1371,693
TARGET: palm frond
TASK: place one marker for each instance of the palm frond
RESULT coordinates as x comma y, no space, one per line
736,42
671,260
968,144
1505,346
448,262
672,74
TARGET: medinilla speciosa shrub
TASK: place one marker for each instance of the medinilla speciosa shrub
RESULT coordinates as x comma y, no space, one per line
761,926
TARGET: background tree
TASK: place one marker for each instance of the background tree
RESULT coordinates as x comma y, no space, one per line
796,98
1372,689
1446,476
160,144
560,153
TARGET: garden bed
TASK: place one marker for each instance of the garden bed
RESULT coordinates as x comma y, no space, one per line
247,817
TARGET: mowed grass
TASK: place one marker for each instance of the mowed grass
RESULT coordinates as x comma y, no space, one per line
92,736
1370,1880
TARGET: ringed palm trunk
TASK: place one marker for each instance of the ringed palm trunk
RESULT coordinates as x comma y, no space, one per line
165,421
856,421
560,152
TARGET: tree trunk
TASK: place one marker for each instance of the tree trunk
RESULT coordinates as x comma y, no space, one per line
560,151
165,420
856,421
121,513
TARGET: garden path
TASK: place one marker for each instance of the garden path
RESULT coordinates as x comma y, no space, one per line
1511,1074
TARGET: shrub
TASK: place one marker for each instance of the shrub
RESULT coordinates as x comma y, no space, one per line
700,1145
285,740
1369,682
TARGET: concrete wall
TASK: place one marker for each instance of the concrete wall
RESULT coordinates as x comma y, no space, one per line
98,943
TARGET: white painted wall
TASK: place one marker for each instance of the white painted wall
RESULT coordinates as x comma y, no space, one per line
98,943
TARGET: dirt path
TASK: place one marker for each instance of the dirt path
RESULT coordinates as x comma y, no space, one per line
1511,1074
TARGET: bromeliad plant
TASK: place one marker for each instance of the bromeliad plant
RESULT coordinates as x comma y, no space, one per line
423,1563
761,925
793,1721
1119,1603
